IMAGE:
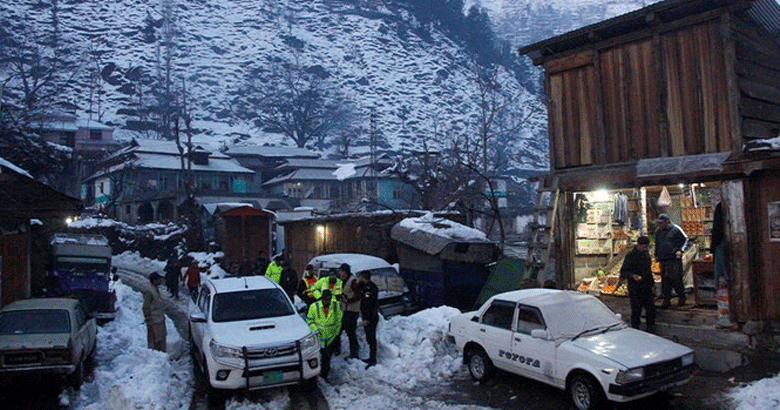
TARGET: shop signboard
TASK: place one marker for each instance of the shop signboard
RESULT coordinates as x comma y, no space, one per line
773,212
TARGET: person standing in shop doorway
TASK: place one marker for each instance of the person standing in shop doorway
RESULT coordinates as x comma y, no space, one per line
670,243
636,270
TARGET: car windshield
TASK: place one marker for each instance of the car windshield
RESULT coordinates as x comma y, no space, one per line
26,322
387,280
250,304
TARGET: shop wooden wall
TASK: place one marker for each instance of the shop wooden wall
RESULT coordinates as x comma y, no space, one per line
762,275
688,87
757,71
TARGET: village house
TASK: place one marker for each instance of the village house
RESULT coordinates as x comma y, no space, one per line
88,138
147,180
265,160
675,109
342,185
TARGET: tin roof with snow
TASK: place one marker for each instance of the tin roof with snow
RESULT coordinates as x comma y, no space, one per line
432,234
269,152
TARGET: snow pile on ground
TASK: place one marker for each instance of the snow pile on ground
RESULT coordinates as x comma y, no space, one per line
414,356
762,394
128,374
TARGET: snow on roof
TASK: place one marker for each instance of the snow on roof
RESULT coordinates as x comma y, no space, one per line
265,151
771,144
170,148
431,234
566,312
303,175
157,161
344,171
14,168
92,125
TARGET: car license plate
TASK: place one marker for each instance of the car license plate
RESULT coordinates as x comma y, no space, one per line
275,376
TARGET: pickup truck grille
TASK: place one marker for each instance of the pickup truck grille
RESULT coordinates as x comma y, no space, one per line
271,351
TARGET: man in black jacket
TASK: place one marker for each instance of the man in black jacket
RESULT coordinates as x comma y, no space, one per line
670,243
636,270
369,311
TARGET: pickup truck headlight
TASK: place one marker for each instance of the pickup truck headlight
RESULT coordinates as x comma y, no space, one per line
630,375
220,351
687,360
309,342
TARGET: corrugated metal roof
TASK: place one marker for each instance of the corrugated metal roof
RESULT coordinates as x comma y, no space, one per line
309,163
766,13
432,235
264,151
305,174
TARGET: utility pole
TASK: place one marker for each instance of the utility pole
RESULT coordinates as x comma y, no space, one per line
372,144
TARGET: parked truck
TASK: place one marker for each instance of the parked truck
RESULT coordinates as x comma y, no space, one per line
81,268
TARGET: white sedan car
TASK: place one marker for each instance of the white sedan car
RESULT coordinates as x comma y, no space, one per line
571,341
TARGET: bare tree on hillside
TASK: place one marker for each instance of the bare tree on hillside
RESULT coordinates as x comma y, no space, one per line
482,155
298,102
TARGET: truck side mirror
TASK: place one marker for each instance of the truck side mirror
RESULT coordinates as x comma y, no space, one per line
540,334
197,317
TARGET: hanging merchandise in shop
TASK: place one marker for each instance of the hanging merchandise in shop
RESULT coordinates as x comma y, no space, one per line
664,200
608,224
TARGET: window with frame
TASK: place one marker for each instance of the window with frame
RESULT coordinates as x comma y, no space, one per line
499,314
528,319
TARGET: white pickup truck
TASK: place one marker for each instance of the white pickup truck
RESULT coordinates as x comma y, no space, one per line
245,334
571,341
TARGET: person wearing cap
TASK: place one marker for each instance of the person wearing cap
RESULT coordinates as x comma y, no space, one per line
670,243
154,315
324,317
331,282
306,284
274,269
637,272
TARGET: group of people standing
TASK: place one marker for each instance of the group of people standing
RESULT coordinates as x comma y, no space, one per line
333,305
153,308
175,273
670,244
335,302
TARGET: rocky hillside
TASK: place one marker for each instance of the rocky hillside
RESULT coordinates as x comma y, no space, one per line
418,81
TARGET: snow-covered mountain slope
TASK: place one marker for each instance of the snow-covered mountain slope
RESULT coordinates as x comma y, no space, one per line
419,82
523,22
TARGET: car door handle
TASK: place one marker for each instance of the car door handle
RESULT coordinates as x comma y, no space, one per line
517,339
482,330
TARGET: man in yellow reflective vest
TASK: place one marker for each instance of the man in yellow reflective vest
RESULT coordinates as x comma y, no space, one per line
274,269
330,282
306,285
324,317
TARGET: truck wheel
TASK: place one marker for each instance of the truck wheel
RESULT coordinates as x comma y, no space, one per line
480,366
585,393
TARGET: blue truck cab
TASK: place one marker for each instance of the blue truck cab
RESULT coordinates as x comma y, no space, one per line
81,268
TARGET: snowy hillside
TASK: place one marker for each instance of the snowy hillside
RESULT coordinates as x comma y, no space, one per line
523,22
419,82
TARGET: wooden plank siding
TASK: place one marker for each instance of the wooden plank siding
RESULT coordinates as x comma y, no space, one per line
659,96
757,69
573,117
